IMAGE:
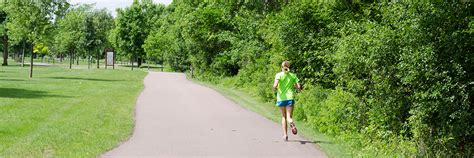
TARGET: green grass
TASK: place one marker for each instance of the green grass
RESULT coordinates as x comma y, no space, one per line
268,110
64,112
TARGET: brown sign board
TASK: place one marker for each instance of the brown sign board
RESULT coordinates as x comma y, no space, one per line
109,58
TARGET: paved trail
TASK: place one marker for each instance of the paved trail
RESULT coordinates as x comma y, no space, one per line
178,118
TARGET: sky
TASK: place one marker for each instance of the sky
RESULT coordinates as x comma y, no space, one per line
111,5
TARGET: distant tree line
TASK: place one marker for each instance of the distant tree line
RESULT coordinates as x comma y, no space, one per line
53,28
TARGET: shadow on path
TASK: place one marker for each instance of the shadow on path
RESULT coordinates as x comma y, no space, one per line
142,66
310,142
26,94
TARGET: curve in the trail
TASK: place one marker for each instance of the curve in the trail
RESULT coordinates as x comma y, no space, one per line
178,118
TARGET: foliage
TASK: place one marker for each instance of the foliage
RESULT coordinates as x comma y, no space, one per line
3,19
31,20
41,48
72,30
376,75
83,29
166,43
132,26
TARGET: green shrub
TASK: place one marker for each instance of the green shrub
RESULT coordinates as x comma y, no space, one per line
387,78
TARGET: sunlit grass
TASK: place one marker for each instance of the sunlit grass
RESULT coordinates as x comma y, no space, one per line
65,112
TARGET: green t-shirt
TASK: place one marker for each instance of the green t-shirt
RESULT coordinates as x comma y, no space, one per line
286,85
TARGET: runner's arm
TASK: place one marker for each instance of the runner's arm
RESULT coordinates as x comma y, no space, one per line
275,84
298,86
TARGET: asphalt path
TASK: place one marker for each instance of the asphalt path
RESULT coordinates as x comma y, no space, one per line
175,117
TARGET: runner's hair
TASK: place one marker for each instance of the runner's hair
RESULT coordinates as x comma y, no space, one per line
285,66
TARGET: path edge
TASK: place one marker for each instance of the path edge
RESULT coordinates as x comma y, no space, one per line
132,132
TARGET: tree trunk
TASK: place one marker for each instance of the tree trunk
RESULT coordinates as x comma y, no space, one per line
139,62
89,60
98,54
192,71
70,59
131,59
77,58
23,54
31,62
5,50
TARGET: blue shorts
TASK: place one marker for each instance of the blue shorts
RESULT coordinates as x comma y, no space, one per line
285,103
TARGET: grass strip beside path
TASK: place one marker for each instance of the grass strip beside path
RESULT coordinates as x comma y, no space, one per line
65,113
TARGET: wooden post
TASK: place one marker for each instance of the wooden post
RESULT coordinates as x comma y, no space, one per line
31,62
105,57
113,65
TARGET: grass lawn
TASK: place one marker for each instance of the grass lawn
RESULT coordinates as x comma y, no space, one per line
65,113
268,110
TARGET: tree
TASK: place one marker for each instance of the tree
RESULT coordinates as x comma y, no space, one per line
132,26
31,20
71,34
156,45
102,23
158,41
3,31
90,39
60,13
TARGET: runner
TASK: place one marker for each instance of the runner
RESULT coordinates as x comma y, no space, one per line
285,85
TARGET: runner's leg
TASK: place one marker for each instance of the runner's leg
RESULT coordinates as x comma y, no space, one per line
284,121
289,113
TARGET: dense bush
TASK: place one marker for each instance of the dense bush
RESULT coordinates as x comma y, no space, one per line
391,78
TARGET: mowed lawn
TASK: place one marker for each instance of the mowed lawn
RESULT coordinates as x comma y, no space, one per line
65,113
